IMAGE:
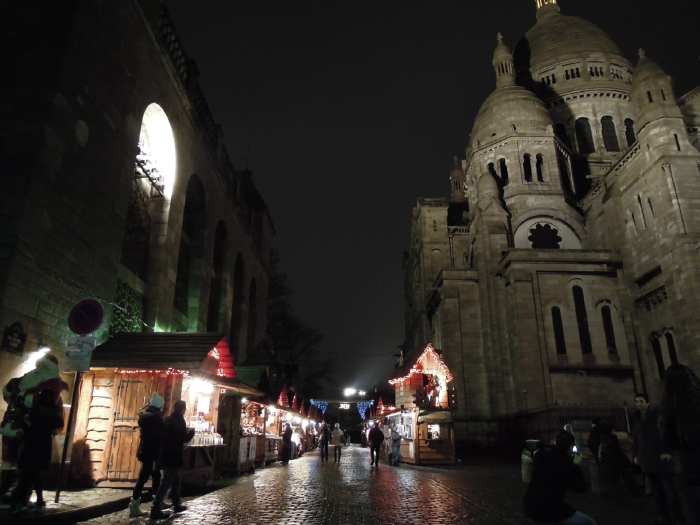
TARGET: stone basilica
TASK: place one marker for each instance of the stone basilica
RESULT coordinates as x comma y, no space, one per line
561,276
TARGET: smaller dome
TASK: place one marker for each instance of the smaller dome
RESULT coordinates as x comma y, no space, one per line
647,70
510,109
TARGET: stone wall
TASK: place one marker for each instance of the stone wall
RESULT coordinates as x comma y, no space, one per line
70,162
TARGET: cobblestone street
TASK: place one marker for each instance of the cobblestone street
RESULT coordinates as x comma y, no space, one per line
306,492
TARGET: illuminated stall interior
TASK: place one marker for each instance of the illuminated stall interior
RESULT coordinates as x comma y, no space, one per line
128,369
424,416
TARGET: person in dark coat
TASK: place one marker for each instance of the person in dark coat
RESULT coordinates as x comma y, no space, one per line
324,441
679,422
647,455
594,438
287,443
376,438
614,465
45,419
151,428
555,471
175,435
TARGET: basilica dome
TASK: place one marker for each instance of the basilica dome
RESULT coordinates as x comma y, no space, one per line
558,38
510,110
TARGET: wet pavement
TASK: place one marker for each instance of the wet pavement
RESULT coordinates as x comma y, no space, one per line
307,492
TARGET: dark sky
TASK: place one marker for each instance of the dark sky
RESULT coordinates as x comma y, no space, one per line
348,111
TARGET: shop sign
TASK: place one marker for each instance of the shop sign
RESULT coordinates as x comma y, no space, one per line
79,353
13,339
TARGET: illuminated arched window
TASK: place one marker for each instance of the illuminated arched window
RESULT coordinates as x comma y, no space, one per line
584,332
584,136
527,167
609,134
156,153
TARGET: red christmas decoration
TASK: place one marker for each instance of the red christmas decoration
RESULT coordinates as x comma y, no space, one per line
302,409
295,403
283,400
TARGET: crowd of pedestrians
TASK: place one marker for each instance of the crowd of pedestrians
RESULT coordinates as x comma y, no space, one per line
666,452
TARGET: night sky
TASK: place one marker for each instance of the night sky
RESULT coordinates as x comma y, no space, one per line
348,111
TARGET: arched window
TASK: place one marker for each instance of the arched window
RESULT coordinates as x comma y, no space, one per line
584,333
562,134
252,318
190,264
216,291
609,134
629,132
584,136
671,345
540,167
527,167
236,310
559,340
658,356
609,329
504,171
492,171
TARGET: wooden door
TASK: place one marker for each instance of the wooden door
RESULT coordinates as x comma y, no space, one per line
132,395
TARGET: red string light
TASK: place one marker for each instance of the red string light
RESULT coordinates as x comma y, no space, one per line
167,372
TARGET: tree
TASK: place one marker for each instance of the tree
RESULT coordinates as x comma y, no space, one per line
294,357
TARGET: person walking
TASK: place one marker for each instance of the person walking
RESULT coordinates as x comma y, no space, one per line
395,446
323,442
555,471
647,455
337,442
679,421
45,419
376,438
175,435
151,429
287,443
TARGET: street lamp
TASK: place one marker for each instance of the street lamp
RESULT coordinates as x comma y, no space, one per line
349,391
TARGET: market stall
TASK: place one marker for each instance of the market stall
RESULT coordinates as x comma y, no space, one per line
127,370
424,415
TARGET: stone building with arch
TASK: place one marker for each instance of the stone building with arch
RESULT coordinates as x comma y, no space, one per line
116,185
561,275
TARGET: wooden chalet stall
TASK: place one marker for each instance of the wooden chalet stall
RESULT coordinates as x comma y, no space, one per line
128,369
423,415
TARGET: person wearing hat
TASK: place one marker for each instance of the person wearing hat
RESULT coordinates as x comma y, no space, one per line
151,427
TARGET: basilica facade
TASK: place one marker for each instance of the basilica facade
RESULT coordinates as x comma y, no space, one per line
561,275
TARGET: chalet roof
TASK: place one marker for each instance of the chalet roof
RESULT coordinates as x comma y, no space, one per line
152,351
178,350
